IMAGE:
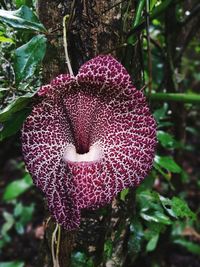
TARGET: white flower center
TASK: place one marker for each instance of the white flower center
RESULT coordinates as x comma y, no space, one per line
95,153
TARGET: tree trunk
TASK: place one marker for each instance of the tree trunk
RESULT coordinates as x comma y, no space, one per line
94,27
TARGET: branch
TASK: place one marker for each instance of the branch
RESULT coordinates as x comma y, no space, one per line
184,98
195,11
190,35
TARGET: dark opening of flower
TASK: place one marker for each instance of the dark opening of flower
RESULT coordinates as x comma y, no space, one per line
89,137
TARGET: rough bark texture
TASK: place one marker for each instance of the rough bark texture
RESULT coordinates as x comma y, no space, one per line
94,27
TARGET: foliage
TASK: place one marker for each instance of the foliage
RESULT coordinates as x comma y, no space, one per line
18,70
16,188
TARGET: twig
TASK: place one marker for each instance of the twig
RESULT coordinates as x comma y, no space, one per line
65,45
158,46
56,241
126,15
53,241
189,37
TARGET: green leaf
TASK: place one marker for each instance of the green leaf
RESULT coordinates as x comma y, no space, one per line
108,249
167,163
16,105
147,199
181,209
28,56
123,194
166,140
24,213
156,216
12,264
23,18
136,236
138,16
80,259
4,39
160,113
167,205
13,124
8,224
18,187
190,246
20,3
19,228
152,4
151,245
160,8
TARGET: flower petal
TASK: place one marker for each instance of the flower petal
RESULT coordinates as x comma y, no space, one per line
103,75
89,138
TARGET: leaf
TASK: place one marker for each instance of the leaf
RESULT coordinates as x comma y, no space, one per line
167,205
124,193
8,224
13,124
160,9
181,209
108,248
160,113
156,216
23,18
81,260
4,39
28,56
167,163
12,264
147,199
152,4
138,16
166,140
16,105
151,245
190,246
20,3
19,228
136,236
18,187
24,213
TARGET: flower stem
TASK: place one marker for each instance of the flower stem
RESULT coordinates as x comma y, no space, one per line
57,242
65,18
184,98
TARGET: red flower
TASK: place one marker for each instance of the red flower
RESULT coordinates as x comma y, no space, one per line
90,137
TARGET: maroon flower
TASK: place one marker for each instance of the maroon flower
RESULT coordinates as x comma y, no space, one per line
90,137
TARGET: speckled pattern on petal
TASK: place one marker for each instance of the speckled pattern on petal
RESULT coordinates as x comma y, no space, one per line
98,112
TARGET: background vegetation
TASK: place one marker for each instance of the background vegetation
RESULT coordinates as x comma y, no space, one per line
161,225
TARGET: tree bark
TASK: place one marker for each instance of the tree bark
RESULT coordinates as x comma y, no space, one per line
94,27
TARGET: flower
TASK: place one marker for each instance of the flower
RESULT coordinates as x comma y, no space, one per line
88,138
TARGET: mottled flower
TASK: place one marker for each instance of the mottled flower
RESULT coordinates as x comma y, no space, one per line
88,138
